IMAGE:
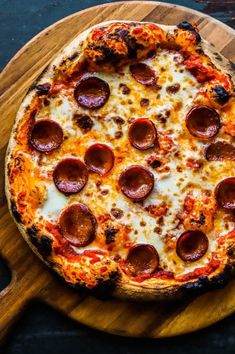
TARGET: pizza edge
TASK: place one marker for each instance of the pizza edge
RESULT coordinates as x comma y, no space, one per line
119,285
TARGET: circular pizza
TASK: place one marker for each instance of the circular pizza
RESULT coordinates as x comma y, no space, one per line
120,168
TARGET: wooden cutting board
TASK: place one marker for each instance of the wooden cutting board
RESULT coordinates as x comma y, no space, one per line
30,277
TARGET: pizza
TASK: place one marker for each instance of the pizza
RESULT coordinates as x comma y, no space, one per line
120,168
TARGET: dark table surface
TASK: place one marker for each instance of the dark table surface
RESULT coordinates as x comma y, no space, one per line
41,329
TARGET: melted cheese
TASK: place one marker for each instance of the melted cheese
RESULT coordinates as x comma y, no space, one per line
54,203
170,188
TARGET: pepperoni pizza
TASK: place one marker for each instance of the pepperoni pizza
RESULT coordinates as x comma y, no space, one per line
120,168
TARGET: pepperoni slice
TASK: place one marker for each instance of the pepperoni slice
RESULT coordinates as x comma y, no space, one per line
192,245
70,175
143,74
136,182
203,122
220,151
143,134
91,92
225,193
142,259
99,158
78,224
46,135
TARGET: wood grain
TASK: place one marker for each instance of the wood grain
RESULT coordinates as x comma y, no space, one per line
30,277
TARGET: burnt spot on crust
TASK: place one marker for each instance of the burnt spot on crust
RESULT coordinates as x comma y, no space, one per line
186,26
200,51
32,232
232,65
84,122
131,43
121,43
74,56
220,94
43,243
108,55
9,168
204,284
231,252
110,234
218,56
15,212
43,89
78,287
45,246
104,288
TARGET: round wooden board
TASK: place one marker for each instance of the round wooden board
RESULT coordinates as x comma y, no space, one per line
30,277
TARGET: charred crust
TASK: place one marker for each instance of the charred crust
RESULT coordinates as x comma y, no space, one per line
32,232
232,65
186,26
43,243
231,251
43,89
110,234
220,94
221,280
84,122
74,56
197,37
15,212
109,55
204,284
45,246
218,56
9,168
131,43
105,288
197,287
200,51
79,287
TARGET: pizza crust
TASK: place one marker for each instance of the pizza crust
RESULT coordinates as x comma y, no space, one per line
123,286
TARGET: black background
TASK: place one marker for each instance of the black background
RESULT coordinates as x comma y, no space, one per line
41,330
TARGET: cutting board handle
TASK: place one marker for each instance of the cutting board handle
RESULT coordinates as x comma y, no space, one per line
12,300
